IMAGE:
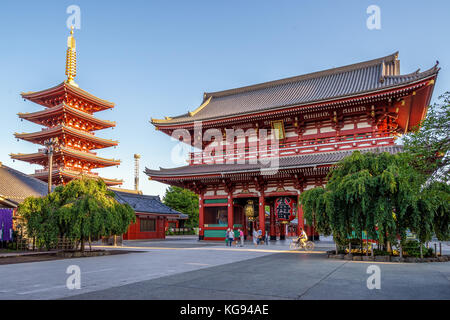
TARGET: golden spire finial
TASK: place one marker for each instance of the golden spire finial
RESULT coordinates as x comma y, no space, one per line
71,58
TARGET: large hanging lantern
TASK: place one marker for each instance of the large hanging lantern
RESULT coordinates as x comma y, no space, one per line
249,209
284,209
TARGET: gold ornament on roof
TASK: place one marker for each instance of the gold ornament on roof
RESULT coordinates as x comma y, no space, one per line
71,58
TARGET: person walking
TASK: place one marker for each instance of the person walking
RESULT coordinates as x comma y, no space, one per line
260,236
231,237
227,237
266,239
241,237
255,238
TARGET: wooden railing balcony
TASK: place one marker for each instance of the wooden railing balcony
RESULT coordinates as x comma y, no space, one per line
306,146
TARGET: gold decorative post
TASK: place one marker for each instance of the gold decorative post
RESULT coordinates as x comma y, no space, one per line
71,59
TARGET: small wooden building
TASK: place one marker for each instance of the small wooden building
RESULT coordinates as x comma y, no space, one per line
15,187
152,216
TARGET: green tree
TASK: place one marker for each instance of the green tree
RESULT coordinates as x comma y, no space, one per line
184,201
314,210
430,144
377,193
437,195
40,221
82,210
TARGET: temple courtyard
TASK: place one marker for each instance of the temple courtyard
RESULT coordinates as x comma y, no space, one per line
183,268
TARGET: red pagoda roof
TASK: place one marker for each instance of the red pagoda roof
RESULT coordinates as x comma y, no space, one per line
66,175
40,116
67,153
55,95
40,136
326,86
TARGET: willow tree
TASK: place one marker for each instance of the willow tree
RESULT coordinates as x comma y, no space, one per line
429,143
378,193
437,196
83,209
40,221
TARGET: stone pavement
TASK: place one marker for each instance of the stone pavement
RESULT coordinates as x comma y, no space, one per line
189,269
290,276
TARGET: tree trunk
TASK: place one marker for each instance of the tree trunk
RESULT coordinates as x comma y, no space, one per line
337,248
367,247
115,241
349,247
421,251
90,247
389,249
82,244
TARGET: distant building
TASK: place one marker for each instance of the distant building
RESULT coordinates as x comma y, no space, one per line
152,216
16,186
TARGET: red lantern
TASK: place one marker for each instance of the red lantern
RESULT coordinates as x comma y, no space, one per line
284,209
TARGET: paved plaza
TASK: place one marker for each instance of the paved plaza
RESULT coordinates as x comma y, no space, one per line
183,268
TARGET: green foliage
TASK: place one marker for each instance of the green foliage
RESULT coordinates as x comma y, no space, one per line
411,248
381,194
430,144
184,201
81,210
437,195
314,210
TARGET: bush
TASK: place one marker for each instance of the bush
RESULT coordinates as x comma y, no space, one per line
378,252
411,248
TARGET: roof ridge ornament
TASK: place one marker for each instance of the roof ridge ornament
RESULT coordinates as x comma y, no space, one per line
204,104
71,59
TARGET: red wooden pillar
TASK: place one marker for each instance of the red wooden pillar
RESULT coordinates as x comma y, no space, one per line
244,224
282,231
300,219
262,214
201,218
230,211
273,227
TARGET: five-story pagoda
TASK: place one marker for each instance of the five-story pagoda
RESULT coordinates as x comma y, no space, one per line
70,124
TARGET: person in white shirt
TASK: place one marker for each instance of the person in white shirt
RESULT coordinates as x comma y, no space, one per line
255,237
231,237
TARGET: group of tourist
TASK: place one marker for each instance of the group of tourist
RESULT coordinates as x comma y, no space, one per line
258,238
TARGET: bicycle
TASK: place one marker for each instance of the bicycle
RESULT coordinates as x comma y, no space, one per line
308,245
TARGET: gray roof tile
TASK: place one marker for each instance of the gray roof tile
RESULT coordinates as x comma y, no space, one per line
146,203
291,162
360,78
15,186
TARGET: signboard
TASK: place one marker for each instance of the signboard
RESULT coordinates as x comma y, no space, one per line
284,208
278,129
6,224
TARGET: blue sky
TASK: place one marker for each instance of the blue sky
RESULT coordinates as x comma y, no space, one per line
156,58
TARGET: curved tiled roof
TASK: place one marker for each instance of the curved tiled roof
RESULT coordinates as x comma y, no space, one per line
291,162
63,129
145,203
16,186
60,109
63,87
356,79
63,151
